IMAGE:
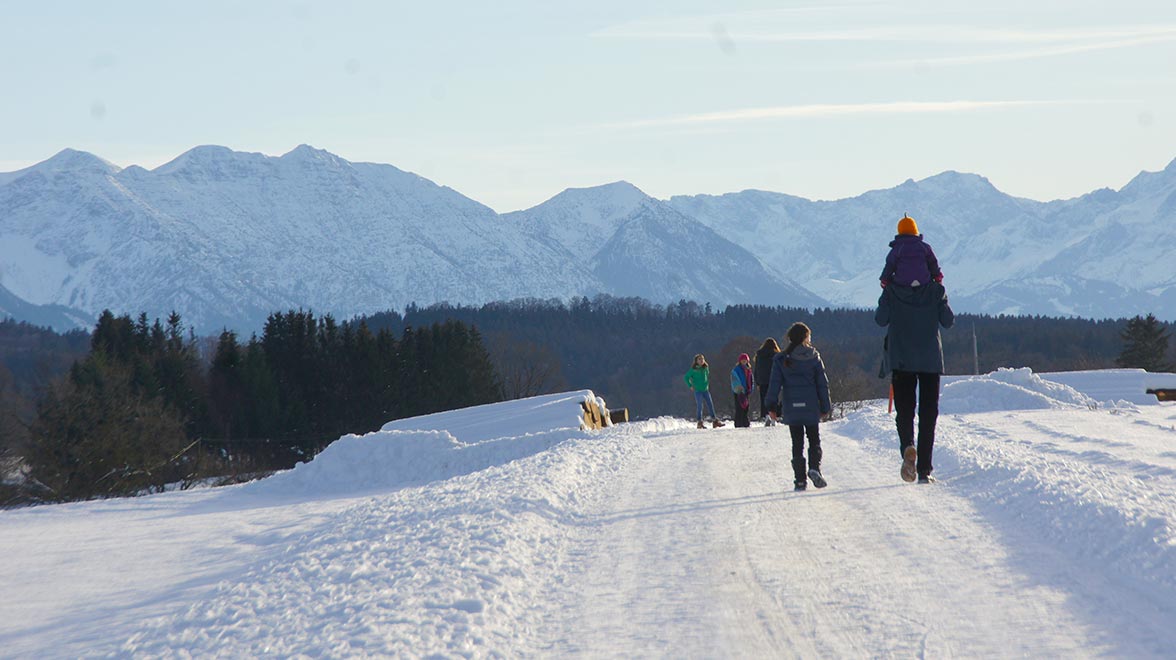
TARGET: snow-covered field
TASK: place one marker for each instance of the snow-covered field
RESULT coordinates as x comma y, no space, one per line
505,530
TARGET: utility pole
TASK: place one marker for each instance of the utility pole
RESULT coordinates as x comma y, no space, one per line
975,352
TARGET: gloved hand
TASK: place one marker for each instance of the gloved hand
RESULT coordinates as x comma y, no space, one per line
884,283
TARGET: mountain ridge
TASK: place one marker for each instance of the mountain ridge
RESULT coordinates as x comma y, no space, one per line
225,237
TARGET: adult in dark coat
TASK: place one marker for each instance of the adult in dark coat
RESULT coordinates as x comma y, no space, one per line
798,393
763,374
914,359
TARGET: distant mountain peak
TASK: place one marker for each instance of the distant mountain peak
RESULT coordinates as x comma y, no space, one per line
203,157
1146,183
73,160
307,152
620,193
954,178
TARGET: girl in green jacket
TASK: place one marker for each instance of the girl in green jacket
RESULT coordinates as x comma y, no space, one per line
698,378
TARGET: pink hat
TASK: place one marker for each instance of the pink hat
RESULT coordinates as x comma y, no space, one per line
743,356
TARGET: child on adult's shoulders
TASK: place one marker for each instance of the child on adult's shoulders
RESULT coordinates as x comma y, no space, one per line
911,261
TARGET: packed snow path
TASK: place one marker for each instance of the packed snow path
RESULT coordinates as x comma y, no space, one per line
503,531
706,551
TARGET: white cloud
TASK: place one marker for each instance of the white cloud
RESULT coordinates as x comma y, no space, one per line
845,28
931,33
824,110
1019,55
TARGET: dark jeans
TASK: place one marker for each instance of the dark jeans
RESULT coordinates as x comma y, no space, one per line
741,413
798,432
763,392
905,383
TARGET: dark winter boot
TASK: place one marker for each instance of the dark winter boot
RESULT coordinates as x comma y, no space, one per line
815,475
716,423
799,485
701,425
798,473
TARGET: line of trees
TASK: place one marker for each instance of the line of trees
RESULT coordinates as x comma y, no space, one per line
634,352
147,404
143,410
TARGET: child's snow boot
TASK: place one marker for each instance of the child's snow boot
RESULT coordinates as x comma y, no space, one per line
798,473
799,485
815,476
701,425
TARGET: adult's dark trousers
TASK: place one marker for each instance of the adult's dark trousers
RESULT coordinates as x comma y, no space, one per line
919,389
798,432
763,392
741,413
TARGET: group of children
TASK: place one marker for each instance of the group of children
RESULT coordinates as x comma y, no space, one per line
792,383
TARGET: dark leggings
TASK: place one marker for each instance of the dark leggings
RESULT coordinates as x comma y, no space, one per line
763,392
905,383
798,432
742,418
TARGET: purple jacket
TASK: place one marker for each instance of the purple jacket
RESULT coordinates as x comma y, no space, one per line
910,260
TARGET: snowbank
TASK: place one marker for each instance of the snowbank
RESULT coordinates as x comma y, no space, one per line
455,568
497,420
1009,389
1096,483
1115,385
429,448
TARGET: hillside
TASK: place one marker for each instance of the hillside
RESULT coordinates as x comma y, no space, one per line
505,530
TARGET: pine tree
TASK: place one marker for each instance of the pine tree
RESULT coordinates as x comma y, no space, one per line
1145,345
95,435
226,389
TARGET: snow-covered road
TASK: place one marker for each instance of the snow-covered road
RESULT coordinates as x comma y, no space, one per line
503,531
705,551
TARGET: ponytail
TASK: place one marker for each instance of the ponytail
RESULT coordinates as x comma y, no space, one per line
797,336
788,352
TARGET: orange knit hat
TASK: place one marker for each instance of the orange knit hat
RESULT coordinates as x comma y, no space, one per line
907,226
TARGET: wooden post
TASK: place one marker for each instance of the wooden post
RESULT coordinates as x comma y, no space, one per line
890,406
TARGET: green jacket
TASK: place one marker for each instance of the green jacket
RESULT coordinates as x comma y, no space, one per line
698,379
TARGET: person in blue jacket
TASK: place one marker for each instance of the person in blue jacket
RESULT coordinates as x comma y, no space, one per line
742,384
799,394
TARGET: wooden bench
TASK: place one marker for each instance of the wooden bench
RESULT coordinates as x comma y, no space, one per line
594,417
1164,394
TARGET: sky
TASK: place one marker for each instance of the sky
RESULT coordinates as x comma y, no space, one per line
509,103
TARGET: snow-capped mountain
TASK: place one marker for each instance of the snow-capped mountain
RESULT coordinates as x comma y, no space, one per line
635,245
226,238
1105,254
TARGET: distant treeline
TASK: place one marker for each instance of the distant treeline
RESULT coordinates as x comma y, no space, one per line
634,353
142,409
138,404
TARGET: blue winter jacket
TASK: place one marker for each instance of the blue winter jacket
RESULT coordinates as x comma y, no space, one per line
800,391
741,381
